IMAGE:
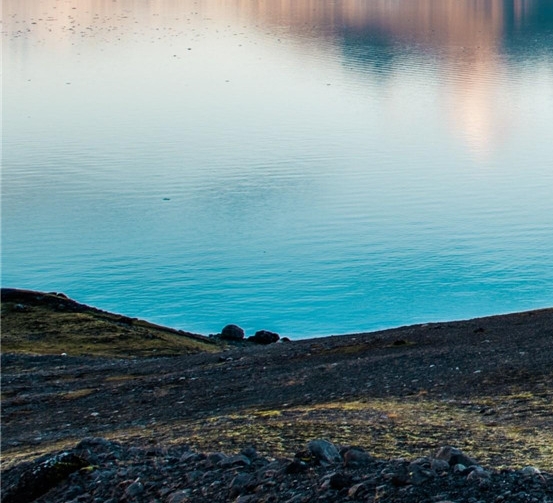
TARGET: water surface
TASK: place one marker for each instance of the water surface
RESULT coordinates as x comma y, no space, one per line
308,167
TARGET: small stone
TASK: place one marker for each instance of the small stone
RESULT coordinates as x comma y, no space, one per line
478,474
424,462
340,480
360,490
249,452
193,476
216,457
530,471
239,484
439,465
134,489
247,498
399,476
460,468
73,491
296,466
179,496
454,456
95,449
419,475
238,460
324,451
356,457
192,457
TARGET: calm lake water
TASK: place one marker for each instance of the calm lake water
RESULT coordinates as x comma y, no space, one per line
311,167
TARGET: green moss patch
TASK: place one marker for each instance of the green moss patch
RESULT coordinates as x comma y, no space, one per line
37,323
387,428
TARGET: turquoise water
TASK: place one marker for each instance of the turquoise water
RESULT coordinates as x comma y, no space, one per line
311,168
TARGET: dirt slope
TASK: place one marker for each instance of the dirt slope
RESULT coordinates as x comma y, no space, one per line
50,323
483,385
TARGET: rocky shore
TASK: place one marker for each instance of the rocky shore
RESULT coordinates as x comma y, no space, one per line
98,470
361,417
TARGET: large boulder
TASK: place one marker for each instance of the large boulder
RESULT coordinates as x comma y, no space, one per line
41,476
264,337
232,333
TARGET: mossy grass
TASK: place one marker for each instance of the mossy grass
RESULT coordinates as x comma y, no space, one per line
389,428
35,323
386,428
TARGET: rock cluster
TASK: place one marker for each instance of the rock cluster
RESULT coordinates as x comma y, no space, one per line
234,333
109,472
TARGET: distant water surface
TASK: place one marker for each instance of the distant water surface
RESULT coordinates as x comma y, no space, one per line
306,167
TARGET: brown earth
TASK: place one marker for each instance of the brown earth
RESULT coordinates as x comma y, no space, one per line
483,385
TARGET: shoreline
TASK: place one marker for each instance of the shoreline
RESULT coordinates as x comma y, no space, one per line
9,294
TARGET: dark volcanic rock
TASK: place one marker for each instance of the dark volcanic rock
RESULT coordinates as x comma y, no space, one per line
324,452
355,457
264,337
232,333
177,475
454,456
40,477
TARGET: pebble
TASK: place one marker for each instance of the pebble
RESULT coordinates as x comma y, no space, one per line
134,489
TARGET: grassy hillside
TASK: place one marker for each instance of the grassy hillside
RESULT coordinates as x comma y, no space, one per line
51,323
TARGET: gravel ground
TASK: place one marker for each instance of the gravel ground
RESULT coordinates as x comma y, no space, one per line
482,385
